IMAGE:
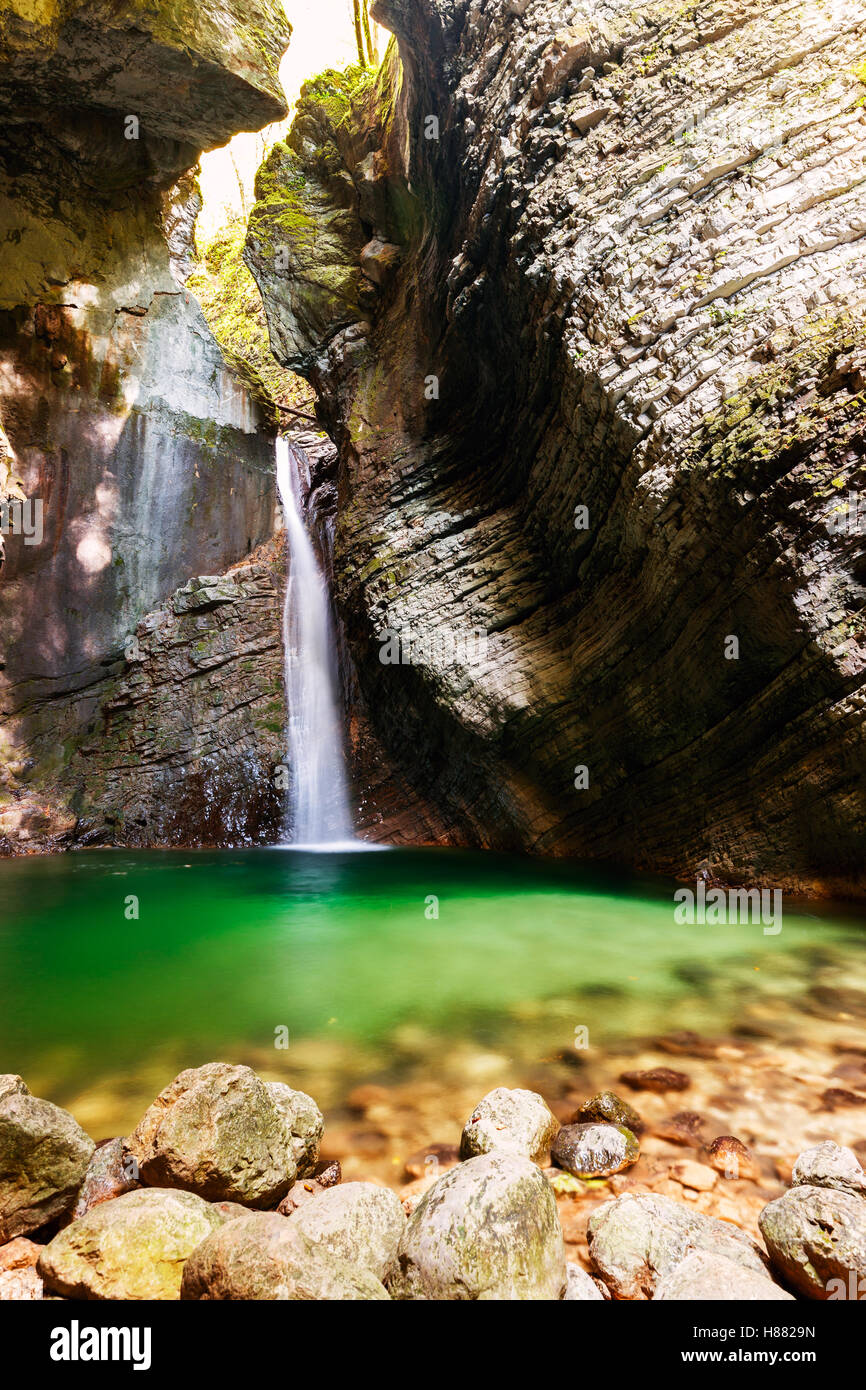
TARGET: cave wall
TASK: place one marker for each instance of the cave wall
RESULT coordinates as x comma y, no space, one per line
623,271
151,462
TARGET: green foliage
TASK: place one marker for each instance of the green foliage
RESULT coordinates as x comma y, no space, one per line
232,305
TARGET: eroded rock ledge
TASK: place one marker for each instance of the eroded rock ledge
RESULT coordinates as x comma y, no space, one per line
632,262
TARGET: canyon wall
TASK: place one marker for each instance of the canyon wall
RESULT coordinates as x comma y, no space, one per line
581,290
121,421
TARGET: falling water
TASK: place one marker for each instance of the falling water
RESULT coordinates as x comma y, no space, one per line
319,809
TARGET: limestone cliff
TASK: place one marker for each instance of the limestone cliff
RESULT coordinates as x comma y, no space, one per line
581,287
148,458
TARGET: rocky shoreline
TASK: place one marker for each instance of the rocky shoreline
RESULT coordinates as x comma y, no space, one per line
226,1189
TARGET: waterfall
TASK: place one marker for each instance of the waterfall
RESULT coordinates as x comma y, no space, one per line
319,805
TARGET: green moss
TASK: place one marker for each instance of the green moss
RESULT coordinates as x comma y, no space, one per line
232,305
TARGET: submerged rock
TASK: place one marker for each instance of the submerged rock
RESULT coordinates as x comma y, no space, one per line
816,1237
133,1247
595,1150
488,1229
510,1121
264,1256
359,1221
638,1239
658,1079
608,1108
44,1155
218,1131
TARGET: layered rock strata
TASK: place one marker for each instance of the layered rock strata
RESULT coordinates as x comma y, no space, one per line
580,288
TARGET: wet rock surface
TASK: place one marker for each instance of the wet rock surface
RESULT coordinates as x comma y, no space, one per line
595,1150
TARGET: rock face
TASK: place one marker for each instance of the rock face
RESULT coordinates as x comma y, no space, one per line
44,1155
358,1221
265,1256
149,461
216,1131
517,1122
188,734
636,1241
134,1247
607,408
816,1237
488,1229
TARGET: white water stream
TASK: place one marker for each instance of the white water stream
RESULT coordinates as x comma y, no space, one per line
318,813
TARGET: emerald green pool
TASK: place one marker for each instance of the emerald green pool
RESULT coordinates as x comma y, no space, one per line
231,950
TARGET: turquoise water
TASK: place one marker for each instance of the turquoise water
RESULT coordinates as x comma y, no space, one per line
343,952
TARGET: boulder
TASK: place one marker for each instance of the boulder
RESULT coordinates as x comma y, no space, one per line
108,1175
44,1155
638,1239
580,1287
516,1122
705,1277
220,1132
305,1122
829,1165
608,1108
20,1285
264,1256
12,1085
816,1237
359,1221
133,1247
487,1229
595,1151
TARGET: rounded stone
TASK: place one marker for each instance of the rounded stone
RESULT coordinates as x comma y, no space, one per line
509,1121
264,1256
44,1155
608,1108
359,1221
595,1151
704,1277
133,1247
580,1287
487,1229
830,1165
816,1237
217,1131
638,1239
